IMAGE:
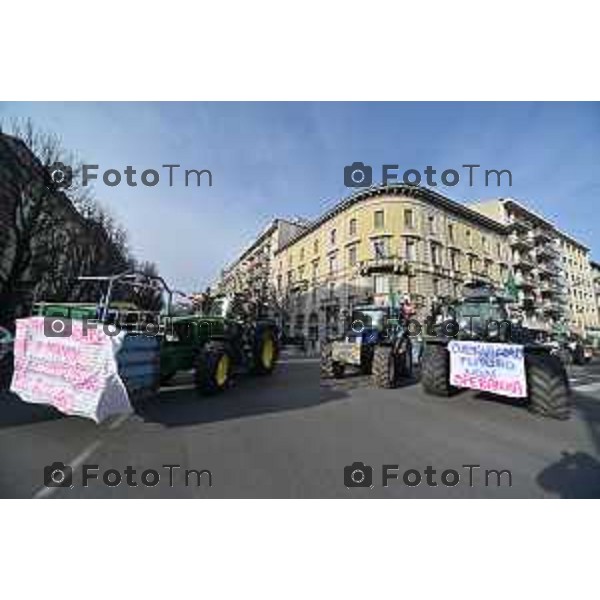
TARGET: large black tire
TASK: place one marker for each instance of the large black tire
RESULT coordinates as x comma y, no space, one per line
405,359
265,353
578,355
548,386
385,367
435,370
207,377
330,369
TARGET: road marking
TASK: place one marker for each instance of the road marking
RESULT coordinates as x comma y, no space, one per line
119,421
75,463
176,388
297,360
590,387
46,492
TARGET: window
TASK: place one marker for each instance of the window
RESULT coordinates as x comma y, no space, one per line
432,223
278,282
454,260
301,272
316,246
410,250
435,254
315,270
332,265
352,255
301,254
332,235
378,219
352,227
484,242
436,287
469,240
451,233
379,249
382,284
409,222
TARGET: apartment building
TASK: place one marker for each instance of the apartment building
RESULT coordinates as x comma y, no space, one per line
596,280
384,240
251,271
581,288
552,270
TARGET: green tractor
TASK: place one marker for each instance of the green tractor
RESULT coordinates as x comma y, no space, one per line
495,344
226,338
228,335
377,344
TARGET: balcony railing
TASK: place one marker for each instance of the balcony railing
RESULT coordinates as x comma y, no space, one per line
389,264
520,241
547,251
524,261
519,225
542,234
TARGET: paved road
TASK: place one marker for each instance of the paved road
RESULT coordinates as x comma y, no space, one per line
290,436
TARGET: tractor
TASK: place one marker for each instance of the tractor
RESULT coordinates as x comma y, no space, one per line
376,343
225,336
482,316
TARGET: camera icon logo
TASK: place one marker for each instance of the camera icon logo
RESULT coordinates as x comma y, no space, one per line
358,475
58,475
58,327
358,175
60,176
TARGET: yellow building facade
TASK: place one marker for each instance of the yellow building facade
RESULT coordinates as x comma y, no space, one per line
384,240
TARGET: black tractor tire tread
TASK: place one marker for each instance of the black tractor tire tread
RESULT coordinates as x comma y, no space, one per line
548,385
384,372
435,371
330,369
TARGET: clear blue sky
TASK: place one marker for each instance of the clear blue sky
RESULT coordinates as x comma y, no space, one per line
287,159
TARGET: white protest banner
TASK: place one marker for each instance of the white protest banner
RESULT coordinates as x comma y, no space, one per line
496,368
77,374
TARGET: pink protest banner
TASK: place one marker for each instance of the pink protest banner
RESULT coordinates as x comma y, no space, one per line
496,368
77,374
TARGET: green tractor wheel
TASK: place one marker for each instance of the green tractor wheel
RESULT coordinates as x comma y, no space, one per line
265,353
213,368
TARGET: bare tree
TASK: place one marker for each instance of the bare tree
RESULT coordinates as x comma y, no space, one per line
52,235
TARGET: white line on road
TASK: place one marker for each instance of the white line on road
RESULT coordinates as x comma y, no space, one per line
76,462
590,387
297,360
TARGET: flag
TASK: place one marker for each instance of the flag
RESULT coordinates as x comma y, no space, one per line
510,287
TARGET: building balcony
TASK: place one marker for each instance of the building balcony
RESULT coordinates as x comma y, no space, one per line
391,264
524,261
552,308
548,268
519,225
543,235
520,241
299,285
547,251
525,282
